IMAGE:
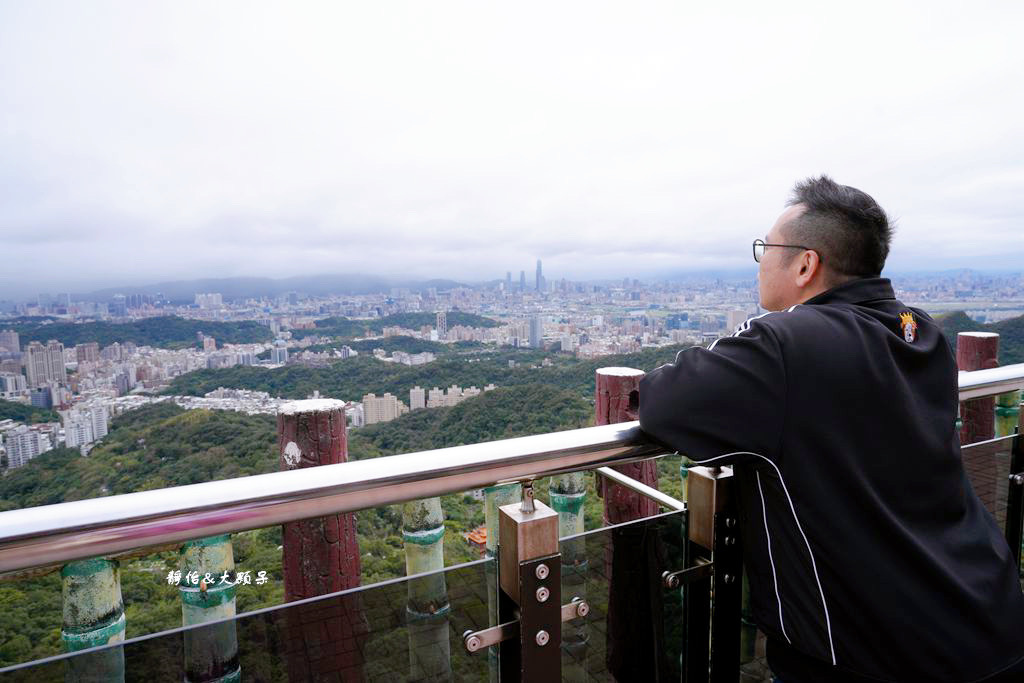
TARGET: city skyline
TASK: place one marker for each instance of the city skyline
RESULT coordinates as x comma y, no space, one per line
177,142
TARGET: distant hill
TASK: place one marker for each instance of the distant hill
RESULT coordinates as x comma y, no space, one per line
250,287
167,332
1010,331
341,327
498,414
350,379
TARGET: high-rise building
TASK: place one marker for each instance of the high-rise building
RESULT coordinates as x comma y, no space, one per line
212,300
45,363
442,325
734,319
279,354
87,353
112,352
85,426
435,398
12,384
118,305
23,444
209,344
540,278
9,341
41,397
536,332
417,398
522,280
508,281
382,409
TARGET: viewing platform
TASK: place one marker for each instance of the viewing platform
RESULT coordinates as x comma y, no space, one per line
655,593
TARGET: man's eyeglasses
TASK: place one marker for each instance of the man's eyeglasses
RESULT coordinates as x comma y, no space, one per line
759,246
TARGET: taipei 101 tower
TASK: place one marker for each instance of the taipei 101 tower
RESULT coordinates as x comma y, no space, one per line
540,278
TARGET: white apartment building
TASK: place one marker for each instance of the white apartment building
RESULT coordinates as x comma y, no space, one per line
23,444
417,398
45,363
435,398
382,409
12,384
85,426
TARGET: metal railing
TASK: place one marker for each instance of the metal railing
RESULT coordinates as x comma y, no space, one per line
56,534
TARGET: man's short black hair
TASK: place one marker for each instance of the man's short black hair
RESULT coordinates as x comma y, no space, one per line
845,226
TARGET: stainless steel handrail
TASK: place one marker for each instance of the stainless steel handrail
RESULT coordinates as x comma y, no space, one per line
53,534
991,382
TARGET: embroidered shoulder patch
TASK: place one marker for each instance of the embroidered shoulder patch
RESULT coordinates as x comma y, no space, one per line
909,326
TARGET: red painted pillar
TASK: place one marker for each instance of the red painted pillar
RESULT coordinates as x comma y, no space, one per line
978,351
632,636
615,392
321,555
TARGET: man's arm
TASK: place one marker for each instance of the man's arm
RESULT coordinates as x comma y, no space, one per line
727,399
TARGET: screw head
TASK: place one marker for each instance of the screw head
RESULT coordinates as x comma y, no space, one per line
543,594
473,643
543,638
728,578
1017,479
582,608
542,571
730,540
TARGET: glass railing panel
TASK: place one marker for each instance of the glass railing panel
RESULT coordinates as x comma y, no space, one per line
987,464
634,630
401,630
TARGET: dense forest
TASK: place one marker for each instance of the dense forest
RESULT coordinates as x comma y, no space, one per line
167,332
350,379
1010,331
341,327
163,445
23,413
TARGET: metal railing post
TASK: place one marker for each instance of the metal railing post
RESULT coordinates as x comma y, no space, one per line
568,493
529,573
713,527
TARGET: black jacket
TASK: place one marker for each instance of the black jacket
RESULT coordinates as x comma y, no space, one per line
866,548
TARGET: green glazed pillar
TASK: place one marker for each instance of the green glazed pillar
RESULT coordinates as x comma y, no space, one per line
207,592
1007,413
495,497
93,616
427,608
568,493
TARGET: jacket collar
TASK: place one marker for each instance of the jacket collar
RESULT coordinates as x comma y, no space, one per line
856,292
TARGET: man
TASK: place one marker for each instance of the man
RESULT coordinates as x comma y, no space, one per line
869,555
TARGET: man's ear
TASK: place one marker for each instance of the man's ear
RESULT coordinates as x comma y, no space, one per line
810,266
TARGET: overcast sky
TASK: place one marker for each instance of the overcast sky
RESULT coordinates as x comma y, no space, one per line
142,142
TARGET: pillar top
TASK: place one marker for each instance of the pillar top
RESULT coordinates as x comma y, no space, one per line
312,405
981,335
620,372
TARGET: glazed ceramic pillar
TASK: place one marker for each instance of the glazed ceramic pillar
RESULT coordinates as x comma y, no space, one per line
211,653
427,608
93,616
